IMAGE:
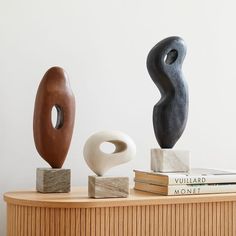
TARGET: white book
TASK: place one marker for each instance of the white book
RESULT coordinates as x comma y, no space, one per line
185,189
194,176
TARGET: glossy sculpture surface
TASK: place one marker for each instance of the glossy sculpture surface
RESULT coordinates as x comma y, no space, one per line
51,142
164,64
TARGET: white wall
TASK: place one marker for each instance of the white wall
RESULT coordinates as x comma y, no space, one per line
103,46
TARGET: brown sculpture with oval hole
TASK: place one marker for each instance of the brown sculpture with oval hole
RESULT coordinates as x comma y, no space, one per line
52,142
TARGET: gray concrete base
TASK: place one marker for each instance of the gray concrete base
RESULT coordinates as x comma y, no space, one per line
108,187
49,180
170,160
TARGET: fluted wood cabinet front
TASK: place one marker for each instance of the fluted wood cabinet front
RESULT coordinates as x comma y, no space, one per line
73,214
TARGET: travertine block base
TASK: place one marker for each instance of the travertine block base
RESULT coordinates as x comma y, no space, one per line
170,160
108,187
141,214
53,180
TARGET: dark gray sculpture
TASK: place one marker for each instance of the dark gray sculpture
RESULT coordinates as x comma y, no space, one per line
164,64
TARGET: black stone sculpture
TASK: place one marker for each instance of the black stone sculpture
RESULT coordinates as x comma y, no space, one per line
164,64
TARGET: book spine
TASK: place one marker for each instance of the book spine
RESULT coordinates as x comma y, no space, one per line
201,189
175,180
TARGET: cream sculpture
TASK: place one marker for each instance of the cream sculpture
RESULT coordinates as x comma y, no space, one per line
99,162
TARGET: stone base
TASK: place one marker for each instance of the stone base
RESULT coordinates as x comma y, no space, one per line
52,180
108,187
170,160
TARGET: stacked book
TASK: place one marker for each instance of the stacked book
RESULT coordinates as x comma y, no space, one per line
196,181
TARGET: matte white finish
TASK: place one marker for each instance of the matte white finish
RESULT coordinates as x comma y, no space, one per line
170,160
100,162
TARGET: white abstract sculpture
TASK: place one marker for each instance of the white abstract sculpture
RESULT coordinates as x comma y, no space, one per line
100,162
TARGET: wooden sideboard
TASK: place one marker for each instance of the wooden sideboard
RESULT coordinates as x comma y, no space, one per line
74,214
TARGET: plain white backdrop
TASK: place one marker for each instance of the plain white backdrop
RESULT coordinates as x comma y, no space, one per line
103,46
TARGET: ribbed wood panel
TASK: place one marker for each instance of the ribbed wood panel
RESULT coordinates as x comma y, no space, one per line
190,219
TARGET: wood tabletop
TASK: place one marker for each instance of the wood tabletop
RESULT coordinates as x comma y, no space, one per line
78,198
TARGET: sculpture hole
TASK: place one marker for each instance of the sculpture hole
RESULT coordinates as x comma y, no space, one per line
108,147
57,117
171,57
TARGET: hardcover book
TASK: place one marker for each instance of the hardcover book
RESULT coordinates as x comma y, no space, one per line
185,189
194,176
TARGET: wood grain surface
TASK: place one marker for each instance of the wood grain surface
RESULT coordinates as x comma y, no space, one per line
141,214
52,142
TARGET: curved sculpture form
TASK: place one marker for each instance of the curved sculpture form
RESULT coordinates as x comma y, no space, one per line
164,64
52,142
100,162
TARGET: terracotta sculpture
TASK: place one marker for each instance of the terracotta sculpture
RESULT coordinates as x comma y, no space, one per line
52,142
